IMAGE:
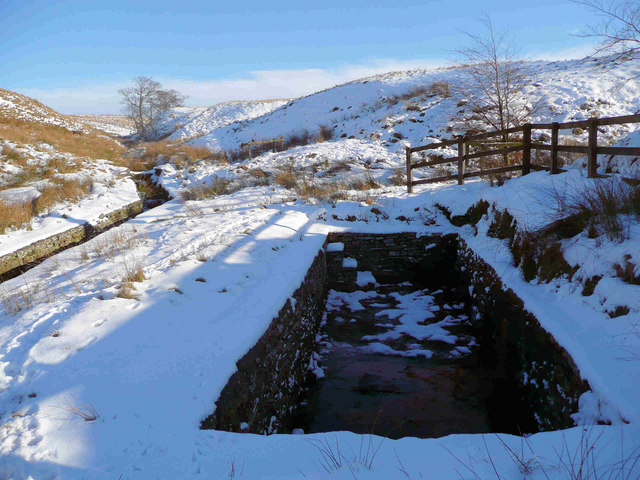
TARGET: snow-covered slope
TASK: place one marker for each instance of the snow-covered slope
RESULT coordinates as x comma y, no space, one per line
185,123
369,109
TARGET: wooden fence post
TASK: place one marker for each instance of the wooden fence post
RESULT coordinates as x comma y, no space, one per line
461,159
553,166
526,148
409,171
592,156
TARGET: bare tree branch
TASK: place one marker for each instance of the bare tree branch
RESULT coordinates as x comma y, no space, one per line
619,30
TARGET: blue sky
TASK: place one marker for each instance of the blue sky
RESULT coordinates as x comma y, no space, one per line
74,55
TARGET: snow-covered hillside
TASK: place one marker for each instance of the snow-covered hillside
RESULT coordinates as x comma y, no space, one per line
413,107
186,123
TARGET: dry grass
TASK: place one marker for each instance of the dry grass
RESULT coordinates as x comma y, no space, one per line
286,179
598,208
14,215
118,241
440,88
365,183
59,190
62,165
220,186
12,155
416,91
127,290
133,273
80,144
287,176
398,177
86,412
259,176
29,294
181,155
325,132
326,192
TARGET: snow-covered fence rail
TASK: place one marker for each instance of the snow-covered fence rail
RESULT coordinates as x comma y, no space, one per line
525,146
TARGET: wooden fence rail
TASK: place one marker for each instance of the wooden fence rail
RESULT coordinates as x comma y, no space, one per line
263,145
592,150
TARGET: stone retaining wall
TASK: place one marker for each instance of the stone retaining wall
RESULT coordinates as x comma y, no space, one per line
527,358
536,376
390,257
263,393
17,262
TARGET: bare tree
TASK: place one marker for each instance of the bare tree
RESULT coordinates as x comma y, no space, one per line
145,100
496,86
619,30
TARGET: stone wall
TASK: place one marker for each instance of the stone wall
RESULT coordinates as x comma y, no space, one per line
391,257
270,379
539,374
21,260
535,377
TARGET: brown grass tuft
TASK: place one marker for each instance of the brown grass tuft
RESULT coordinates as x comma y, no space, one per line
181,155
80,144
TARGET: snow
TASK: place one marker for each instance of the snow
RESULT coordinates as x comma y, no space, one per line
349,262
217,271
335,247
365,278
184,123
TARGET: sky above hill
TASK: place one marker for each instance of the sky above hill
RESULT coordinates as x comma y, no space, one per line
75,55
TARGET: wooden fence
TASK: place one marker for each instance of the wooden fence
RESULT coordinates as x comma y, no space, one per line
592,150
263,145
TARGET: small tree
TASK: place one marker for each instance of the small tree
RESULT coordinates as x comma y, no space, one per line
496,85
619,30
145,100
